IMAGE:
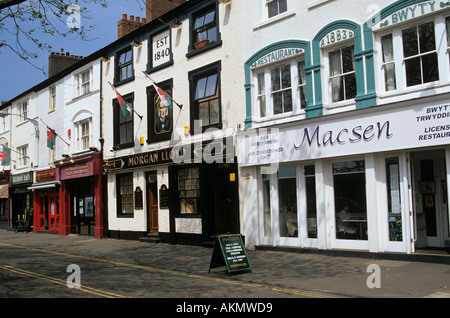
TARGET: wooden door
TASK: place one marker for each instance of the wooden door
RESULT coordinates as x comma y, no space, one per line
152,209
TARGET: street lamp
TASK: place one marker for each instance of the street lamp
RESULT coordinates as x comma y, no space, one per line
33,121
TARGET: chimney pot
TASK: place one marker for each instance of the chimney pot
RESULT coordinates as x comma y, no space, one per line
131,17
144,20
124,16
138,19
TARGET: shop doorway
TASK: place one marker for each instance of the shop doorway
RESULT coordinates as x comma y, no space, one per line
430,199
83,207
152,206
47,212
222,198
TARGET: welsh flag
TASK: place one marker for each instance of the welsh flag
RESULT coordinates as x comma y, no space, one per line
51,138
5,156
163,96
124,106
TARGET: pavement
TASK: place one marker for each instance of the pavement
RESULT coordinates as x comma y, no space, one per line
340,274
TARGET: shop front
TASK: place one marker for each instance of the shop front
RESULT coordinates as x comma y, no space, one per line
21,197
80,197
180,195
4,200
372,179
46,198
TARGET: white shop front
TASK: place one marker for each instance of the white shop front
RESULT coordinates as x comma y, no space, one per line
374,179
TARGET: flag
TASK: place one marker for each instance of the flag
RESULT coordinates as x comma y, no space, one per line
51,138
5,156
163,96
124,106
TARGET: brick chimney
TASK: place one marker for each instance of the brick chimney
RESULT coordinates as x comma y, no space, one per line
58,62
126,25
156,8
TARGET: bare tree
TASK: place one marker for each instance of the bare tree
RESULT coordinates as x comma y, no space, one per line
28,20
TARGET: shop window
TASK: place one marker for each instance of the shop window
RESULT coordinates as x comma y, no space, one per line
124,66
123,125
267,215
205,85
388,62
281,89
420,56
276,7
311,210
350,200
125,195
189,190
342,74
287,196
394,200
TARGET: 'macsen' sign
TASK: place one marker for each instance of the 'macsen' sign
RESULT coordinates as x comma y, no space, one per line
277,55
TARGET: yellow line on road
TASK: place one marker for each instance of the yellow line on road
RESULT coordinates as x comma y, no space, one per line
176,273
60,282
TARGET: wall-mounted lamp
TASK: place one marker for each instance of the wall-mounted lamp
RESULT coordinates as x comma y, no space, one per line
136,44
142,140
186,130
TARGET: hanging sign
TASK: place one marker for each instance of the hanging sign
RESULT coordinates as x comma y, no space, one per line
229,251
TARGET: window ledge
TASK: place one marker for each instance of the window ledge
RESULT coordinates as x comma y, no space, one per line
274,19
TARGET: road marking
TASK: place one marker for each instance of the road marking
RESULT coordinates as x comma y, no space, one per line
176,273
58,281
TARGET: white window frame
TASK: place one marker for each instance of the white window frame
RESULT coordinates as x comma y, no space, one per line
79,137
83,85
22,111
52,98
442,50
268,2
296,105
23,156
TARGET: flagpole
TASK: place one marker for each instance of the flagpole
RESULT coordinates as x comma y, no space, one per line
112,86
16,151
180,106
57,135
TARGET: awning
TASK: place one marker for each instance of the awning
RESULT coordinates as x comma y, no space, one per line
44,185
4,191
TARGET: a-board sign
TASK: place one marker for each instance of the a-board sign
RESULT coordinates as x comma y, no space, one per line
229,251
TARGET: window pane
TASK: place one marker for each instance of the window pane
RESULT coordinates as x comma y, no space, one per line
273,8
212,34
335,63
266,206
204,113
426,37
311,211
350,86
410,45
387,47
430,68
287,101
214,113
301,73
394,200
350,200
211,86
199,22
286,76
275,79
278,103
287,195
210,17
261,84
348,60
389,77
337,89
201,86
413,72
283,5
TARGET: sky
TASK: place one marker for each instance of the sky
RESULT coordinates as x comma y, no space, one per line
17,76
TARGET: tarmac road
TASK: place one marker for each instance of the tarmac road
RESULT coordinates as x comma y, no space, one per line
36,265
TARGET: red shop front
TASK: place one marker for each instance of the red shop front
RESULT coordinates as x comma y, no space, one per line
68,199
81,195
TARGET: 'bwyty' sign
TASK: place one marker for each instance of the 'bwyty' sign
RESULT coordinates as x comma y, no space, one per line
229,251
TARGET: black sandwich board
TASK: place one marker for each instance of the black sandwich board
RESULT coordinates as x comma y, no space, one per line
229,251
